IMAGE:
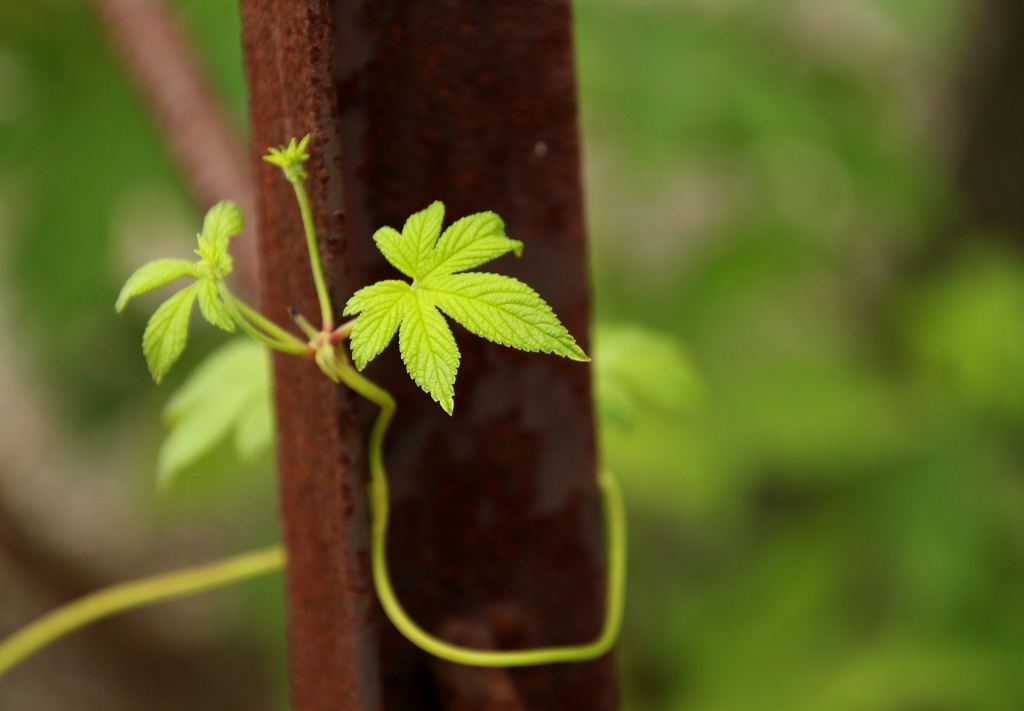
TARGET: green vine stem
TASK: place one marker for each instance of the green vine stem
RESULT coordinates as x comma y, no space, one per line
615,534
121,598
277,339
267,325
139,593
326,313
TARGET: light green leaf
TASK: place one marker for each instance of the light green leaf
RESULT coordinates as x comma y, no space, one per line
503,310
222,221
152,276
254,431
498,308
212,308
429,351
637,369
410,250
468,243
167,331
420,234
394,248
381,306
230,390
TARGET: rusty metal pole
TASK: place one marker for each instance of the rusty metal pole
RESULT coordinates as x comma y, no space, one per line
332,651
496,532
496,511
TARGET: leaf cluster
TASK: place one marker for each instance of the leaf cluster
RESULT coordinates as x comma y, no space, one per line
167,330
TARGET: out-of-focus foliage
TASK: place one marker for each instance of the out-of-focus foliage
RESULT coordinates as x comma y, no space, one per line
636,370
967,331
86,193
228,394
86,197
835,521
842,528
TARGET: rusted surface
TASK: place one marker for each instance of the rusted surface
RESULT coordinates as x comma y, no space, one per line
473,102
465,688
332,653
496,512
196,133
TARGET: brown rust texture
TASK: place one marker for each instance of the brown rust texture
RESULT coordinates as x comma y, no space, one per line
496,514
332,651
465,688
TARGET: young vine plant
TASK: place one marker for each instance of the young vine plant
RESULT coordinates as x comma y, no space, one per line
437,263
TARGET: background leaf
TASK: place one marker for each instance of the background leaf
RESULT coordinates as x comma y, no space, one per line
229,392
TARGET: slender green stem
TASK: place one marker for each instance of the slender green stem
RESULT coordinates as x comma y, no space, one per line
615,534
271,328
343,331
304,324
127,596
326,312
292,345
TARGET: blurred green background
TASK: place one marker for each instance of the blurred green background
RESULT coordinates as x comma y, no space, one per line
834,520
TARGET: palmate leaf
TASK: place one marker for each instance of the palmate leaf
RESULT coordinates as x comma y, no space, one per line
223,221
638,370
499,308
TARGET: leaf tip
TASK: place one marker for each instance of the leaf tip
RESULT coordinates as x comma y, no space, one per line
574,352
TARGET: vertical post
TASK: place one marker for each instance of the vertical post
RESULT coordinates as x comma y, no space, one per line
496,514
496,523
332,651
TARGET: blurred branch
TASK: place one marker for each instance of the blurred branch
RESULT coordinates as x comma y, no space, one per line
990,160
195,131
